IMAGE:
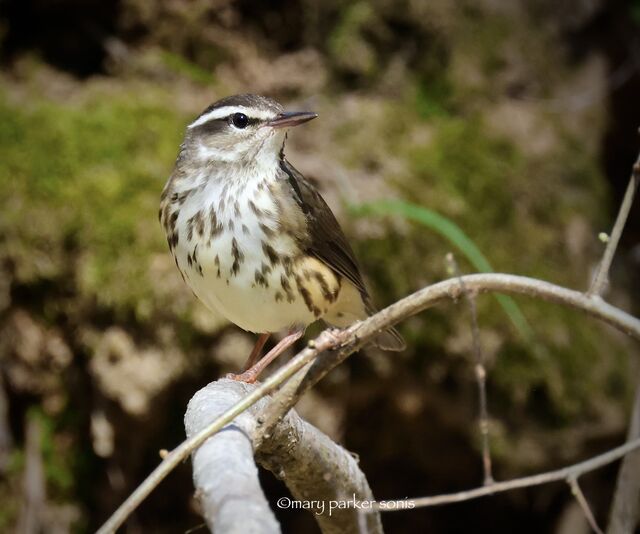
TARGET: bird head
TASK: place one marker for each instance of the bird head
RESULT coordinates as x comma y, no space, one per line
243,130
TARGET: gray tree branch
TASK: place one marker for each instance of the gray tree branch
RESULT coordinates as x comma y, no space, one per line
224,471
316,470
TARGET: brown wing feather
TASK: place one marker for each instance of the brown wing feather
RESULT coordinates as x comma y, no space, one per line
329,244
327,240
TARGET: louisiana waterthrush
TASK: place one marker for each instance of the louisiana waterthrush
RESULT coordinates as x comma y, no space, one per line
252,237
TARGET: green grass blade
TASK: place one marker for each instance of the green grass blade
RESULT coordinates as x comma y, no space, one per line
454,234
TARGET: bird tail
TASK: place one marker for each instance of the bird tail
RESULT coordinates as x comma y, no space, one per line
355,305
389,339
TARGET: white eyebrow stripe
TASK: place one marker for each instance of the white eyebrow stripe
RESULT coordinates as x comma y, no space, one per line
225,111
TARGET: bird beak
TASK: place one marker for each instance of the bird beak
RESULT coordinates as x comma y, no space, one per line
291,118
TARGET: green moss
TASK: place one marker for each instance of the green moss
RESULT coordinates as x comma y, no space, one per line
87,177
464,163
432,98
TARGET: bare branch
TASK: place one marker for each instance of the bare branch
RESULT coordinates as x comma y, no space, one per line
352,338
318,471
625,510
525,482
224,472
584,505
283,400
602,275
315,468
480,373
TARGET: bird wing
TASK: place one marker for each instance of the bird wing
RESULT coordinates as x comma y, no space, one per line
329,244
327,240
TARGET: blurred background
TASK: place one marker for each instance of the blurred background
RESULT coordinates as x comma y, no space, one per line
517,121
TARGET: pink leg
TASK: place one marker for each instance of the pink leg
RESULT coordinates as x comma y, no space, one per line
251,375
255,353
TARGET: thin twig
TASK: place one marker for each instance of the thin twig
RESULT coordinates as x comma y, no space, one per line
480,373
357,335
602,275
525,482
584,504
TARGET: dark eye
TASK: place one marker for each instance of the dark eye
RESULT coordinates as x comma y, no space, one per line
239,120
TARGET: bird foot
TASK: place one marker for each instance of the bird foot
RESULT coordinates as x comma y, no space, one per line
336,335
248,377
251,375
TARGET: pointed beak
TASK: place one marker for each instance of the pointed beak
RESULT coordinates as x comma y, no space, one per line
291,118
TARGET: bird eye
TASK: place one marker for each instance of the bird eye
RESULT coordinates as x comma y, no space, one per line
239,120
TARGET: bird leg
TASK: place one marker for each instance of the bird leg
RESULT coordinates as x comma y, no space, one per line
251,374
255,353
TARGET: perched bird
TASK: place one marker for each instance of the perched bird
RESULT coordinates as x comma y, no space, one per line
252,237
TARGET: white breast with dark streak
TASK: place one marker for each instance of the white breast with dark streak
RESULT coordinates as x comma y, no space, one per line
228,239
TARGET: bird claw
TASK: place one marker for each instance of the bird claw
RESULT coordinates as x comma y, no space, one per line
335,334
247,377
